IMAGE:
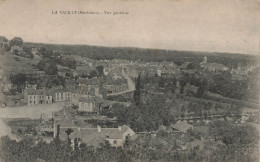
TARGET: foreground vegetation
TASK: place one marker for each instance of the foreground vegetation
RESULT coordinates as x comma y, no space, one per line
234,143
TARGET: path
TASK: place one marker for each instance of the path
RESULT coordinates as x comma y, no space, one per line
33,112
131,86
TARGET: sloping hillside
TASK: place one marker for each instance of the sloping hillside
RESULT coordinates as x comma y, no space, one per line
13,64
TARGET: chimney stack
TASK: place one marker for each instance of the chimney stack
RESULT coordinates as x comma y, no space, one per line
99,128
119,128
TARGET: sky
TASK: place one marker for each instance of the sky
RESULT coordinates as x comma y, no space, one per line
194,25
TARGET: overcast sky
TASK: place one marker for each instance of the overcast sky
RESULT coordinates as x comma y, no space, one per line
200,25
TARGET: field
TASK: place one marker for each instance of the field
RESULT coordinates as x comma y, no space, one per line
16,64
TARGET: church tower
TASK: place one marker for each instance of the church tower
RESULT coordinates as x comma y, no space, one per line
205,60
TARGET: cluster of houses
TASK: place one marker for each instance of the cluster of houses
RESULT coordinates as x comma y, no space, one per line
212,66
65,128
88,94
92,136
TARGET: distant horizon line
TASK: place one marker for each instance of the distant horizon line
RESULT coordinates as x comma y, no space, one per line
191,51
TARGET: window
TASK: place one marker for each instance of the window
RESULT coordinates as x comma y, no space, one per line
30,97
114,141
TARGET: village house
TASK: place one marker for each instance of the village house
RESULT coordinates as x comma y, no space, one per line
5,85
61,95
166,71
131,71
35,52
37,96
92,85
34,73
115,85
151,72
186,66
17,50
93,136
89,83
70,83
87,104
181,126
84,70
212,66
64,71
3,42
10,100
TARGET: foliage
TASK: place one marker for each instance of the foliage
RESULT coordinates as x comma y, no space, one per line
93,74
239,143
18,80
48,66
137,92
147,116
100,71
202,88
16,41
147,55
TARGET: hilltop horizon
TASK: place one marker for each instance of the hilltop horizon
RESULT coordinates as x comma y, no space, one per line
142,48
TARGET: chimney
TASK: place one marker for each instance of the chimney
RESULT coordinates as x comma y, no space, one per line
99,128
119,128
78,128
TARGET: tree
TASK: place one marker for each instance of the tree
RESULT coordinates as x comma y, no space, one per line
137,92
68,132
16,41
100,70
3,39
93,74
19,80
202,88
48,66
107,153
58,132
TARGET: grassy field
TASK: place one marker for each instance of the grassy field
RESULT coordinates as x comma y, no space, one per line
13,64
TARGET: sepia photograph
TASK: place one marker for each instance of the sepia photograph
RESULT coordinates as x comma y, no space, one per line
129,80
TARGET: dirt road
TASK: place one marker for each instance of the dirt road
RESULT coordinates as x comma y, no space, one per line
32,112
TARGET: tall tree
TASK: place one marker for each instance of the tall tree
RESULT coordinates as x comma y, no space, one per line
100,71
48,66
68,132
137,92
16,41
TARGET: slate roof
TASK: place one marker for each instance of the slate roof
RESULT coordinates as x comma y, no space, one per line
92,81
181,126
86,99
111,81
215,65
185,65
31,91
91,136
